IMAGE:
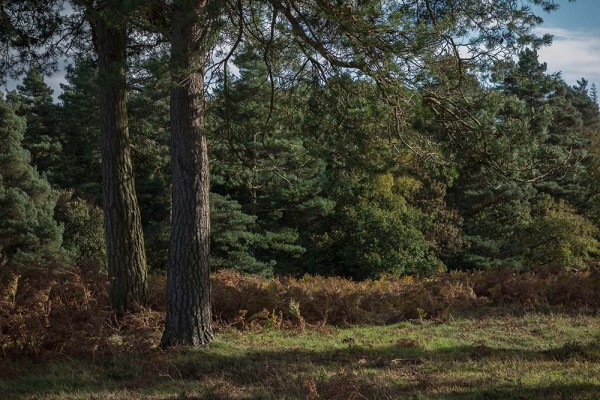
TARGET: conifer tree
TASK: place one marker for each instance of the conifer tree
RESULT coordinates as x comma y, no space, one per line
594,93
189,315
39,32
260,158
530,147
33,100
28,231
126,254
80,124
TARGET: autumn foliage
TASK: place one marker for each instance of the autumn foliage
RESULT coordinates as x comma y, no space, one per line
47,313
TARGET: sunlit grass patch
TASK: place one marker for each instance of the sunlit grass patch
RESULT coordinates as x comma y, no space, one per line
532,356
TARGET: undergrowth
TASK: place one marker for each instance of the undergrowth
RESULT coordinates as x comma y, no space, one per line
49,313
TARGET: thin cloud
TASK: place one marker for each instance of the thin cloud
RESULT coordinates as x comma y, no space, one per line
575,53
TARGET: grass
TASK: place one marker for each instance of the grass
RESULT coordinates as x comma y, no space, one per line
528,356
480,335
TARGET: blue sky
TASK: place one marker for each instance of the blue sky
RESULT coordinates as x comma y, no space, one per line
575,50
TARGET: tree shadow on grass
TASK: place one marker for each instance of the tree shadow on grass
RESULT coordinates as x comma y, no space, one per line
549,392
350,371
413,363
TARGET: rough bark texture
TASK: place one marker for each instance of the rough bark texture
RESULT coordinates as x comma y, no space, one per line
122,222
188,320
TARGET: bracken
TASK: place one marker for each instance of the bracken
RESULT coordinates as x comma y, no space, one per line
65,312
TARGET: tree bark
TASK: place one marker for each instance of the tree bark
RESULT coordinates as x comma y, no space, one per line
127,270
188,320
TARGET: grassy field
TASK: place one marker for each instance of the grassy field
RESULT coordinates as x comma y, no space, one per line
529,356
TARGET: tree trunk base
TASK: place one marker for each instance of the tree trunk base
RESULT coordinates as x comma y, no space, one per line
200,338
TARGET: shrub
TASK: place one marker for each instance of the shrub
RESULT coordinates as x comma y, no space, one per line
558,235
379,232
83,228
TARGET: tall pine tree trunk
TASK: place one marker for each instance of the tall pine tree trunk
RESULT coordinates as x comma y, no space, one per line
188,320
122,222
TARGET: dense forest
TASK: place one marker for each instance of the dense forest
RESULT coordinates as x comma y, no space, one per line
318,180
402,138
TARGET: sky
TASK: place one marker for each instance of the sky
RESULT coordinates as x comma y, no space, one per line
575,51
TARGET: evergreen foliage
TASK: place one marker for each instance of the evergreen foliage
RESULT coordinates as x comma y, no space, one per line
149,129
28,231
262,162
529,144
80,127
235,239
33,100
328,155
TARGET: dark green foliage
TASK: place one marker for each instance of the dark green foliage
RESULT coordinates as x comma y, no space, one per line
316,168
31,31
80,127
149,130
529,152
319,181
28,231
235,240
33,100
380,233
262,163
374,225
310,179
81,163
493,228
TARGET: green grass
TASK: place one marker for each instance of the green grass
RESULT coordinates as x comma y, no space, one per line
534,356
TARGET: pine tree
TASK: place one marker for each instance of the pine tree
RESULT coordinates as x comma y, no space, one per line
235,238
526,144
594,93
126,253
80,125
188,319
261,161
33,100
40,30
28,231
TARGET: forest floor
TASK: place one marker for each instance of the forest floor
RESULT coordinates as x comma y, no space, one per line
502,355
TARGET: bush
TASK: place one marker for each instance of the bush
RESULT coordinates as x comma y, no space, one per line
83,225
239,298
558,235
378,232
